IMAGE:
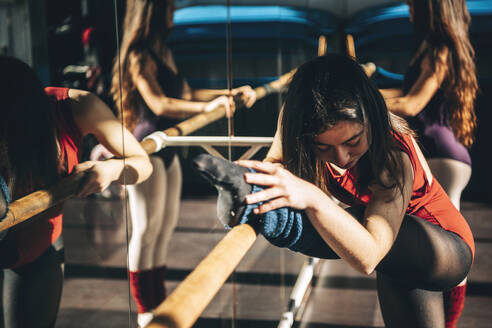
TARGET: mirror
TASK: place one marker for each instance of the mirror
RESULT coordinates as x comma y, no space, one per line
79,275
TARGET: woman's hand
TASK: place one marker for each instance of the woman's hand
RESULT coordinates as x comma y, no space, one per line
369,68
130,163
225,101
98,176
285,189
245,95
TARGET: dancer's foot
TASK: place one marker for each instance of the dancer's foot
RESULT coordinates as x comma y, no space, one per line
228,178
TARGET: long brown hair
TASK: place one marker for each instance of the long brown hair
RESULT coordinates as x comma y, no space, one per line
144,27
29,156
445,24
328,90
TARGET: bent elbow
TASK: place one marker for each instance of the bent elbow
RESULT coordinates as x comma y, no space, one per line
367,266
402,107
368,270
137,172
158,109
410,107
159,106
411,112
145,172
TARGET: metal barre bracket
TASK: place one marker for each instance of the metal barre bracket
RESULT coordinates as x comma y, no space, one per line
208,142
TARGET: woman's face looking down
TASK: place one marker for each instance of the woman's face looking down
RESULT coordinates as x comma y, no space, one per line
342,145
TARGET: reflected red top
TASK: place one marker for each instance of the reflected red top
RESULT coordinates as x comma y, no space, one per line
34,237
428,201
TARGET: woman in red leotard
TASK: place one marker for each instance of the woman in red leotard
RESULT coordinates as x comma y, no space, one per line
41,132
338,138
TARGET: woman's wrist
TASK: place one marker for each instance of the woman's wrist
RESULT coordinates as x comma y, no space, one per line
116,168
316,199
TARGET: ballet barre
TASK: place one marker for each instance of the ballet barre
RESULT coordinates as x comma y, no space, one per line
187,302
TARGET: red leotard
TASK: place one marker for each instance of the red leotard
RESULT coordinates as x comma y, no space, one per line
34,237
428,201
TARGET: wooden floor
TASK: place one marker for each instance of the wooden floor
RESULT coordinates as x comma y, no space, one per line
96,291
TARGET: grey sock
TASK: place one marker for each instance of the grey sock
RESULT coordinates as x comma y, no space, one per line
228,178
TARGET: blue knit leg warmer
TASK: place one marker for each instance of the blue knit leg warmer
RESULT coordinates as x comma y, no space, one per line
287,227
4,203
284,227
4,198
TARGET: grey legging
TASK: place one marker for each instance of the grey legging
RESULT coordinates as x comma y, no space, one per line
32,293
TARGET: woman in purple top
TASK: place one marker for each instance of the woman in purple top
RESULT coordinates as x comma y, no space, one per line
155,97
437,99
439,91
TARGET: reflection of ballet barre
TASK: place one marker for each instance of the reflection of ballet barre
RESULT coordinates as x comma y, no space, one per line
32,204
198,121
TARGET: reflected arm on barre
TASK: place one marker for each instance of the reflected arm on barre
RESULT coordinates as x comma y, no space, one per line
244,95
131,164
152,94
425,87
274,154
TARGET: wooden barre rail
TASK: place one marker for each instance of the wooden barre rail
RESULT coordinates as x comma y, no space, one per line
369,68
186,303
350,45
26,207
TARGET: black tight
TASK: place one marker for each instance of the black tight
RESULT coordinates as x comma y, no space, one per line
424,260
424,254
32,293
403,306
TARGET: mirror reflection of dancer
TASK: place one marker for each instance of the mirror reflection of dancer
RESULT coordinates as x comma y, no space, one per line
437,99
337,137
40,142
155,97
439,91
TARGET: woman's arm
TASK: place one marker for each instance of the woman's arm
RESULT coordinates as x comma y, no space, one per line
244,94
131,164
362,245
427,84
391,93
155,98
274,154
